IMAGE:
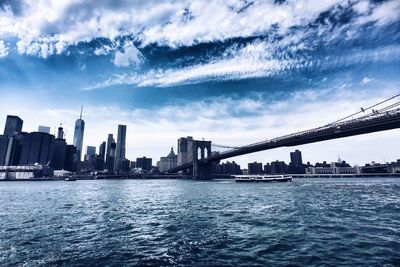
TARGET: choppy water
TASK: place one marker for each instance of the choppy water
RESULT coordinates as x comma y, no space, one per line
307,222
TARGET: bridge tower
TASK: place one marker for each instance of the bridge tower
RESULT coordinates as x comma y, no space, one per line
201,166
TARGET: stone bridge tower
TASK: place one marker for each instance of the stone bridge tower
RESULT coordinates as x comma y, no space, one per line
201,166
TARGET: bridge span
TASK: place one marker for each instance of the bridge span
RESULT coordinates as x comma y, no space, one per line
382,120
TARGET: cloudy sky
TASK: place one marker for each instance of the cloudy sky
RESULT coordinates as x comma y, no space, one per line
234,72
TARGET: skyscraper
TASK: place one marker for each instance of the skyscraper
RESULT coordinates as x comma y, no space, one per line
102,150
13,125
121,144
78,135
110,140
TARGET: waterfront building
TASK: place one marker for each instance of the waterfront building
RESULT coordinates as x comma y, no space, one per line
99,163
278,167
374,167
125,165
339,167
168,162
5,149
395,166
78,135
255,168
144,163
296,158
121,145
13,125
71,159
43,129
231,168
267,168
37,148
296,165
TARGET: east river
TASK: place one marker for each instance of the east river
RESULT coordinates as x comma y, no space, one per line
308,222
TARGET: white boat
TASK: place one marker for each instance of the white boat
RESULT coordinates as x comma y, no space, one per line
263,178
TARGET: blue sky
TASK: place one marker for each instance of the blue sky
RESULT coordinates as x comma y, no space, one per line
234,72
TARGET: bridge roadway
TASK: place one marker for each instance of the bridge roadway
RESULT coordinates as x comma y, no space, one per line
366,124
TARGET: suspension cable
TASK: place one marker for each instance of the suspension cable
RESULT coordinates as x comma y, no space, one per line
363,110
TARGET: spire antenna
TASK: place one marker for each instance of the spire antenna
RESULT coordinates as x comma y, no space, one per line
80,117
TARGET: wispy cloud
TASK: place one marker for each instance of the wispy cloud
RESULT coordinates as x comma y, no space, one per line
258,59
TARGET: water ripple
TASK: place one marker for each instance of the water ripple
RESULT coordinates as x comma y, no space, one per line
310,222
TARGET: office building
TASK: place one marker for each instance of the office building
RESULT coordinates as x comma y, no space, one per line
102,150
121,144
44,129
168,162
78,136
144,163
296,165
295,158
125,165
255,168
60,149
228,168
5,150
99,163
110,160
71,159
37,148
90,152
13,125
110,140
278,167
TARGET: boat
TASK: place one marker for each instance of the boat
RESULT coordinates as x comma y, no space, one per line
68,179
263,178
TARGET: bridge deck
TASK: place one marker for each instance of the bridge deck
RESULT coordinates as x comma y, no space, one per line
367,124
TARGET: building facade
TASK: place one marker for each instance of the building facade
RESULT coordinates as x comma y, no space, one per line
13,125
168,162
78,136
37,148
121,146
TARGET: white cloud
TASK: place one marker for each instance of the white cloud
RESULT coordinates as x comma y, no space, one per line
58,24
3,49
366,80
362,7
130,56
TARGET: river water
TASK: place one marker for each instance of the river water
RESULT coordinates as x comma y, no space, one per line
309,222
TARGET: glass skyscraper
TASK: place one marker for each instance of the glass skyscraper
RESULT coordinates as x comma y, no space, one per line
78,135
121,144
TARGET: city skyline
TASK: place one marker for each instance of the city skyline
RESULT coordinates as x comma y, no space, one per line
306,64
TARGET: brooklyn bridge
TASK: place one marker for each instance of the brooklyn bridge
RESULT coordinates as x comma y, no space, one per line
196,157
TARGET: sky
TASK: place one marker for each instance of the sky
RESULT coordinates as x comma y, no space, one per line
234,72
